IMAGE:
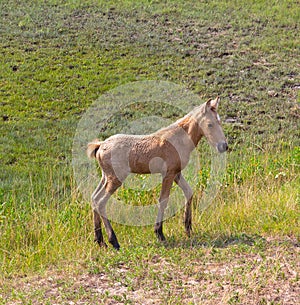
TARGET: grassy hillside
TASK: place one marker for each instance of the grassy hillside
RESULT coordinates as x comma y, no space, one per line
57,58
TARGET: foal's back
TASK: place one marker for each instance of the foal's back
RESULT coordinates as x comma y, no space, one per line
140,154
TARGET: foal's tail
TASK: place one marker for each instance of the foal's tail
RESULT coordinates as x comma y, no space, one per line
92,148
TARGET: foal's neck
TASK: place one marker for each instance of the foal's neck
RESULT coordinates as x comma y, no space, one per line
192,128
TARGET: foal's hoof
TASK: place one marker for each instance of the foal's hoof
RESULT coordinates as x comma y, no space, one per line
188,231
101,244
114,242
160,236
117,247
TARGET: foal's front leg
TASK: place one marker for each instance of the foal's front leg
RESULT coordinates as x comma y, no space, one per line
188,193
163,201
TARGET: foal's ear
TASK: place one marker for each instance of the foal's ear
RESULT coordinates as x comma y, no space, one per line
213,104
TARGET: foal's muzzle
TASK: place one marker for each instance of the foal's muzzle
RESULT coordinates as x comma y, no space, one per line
222,147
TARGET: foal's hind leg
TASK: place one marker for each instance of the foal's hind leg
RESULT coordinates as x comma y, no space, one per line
188,193
163,201
111,185
96,196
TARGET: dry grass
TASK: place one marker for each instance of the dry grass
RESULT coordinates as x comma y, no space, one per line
266,274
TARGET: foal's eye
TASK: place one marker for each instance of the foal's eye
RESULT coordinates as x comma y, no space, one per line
210,125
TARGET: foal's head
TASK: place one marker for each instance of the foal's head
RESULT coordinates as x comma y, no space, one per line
210,124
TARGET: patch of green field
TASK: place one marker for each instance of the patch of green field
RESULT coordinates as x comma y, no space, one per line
57,57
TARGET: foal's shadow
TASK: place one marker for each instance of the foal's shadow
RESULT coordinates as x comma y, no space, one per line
198,241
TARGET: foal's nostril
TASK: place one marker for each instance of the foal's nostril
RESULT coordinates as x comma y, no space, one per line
222,147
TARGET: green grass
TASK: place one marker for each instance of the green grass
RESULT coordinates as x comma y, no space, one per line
56,58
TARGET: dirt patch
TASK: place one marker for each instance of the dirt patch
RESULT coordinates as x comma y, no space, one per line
270,276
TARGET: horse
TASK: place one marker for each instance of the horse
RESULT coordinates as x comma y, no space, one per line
166,151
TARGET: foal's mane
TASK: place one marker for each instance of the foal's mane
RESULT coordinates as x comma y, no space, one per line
184,121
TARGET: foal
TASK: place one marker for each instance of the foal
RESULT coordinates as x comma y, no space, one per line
165,151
